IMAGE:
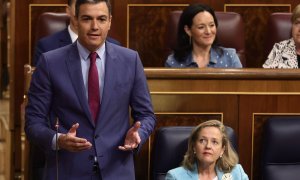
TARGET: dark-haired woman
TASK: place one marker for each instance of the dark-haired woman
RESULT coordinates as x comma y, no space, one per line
196,42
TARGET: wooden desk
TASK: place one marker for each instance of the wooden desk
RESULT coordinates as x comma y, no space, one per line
241,98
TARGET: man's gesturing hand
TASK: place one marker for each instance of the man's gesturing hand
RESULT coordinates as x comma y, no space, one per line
132,139
72,143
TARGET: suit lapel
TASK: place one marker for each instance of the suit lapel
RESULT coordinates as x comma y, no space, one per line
194,173
219,173
110,79
74,68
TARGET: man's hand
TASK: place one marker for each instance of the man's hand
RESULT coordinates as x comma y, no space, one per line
132,139
72,143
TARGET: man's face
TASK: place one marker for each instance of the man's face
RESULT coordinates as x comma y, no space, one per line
93,23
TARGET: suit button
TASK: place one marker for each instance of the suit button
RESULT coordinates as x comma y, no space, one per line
96,136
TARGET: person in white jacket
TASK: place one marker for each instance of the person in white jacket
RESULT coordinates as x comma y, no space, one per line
286,54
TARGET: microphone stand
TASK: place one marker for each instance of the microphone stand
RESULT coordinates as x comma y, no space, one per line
56,146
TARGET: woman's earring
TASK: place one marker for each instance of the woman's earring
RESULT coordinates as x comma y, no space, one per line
190,40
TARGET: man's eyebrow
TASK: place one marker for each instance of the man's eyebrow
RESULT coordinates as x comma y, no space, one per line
103,16
88,16
85,16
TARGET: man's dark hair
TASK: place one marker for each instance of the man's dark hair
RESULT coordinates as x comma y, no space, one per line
80,2
70,2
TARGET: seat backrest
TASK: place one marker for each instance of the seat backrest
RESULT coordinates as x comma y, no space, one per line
49,23
281,148
230,32
170,145
279,28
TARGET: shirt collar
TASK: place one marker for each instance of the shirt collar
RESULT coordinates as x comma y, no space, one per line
195,171
212,60
213,56
73,35
84,53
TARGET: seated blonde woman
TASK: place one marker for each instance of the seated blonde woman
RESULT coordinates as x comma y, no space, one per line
286,54
210,156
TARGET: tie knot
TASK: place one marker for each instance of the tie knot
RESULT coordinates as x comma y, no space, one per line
93,57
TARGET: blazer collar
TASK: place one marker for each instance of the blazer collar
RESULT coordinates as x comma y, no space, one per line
190,62
74,68
111,73
213,56
194,173
219,173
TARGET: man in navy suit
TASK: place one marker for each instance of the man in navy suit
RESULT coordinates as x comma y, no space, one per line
90,147
61,38
51,42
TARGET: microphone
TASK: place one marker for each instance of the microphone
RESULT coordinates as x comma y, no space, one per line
56,146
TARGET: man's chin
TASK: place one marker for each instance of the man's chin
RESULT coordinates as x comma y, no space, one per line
94,47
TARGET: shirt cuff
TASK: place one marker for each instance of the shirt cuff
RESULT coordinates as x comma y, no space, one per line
54,141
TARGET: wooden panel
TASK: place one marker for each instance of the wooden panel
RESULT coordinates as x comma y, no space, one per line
183,119
3,48
193,103
146,32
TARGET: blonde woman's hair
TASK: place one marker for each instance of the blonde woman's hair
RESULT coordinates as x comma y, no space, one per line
225,163
296,13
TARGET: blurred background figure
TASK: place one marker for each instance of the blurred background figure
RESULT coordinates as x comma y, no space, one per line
286,54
